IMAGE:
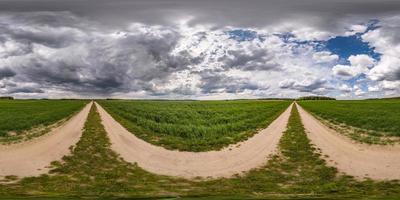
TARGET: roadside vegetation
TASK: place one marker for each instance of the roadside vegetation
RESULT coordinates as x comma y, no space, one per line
299,171
194,125
368,121
24,119
93,170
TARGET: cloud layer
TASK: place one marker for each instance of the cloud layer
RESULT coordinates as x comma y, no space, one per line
65,54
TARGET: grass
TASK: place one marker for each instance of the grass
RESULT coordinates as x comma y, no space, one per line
94,171
299,171
370,121
18,117
195,125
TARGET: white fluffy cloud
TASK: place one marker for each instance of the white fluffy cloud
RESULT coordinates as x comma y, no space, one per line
325,57
345,88
359,64
345,71
358,91
390,85
386,41
356,28
361,61
68,56
374,88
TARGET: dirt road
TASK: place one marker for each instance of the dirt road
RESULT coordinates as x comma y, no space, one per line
234,159
349,157
31,158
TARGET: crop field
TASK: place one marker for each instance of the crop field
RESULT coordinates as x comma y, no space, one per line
374,118
17,116
93,169
194,125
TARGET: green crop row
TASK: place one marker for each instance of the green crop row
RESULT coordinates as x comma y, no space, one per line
376,115
194,125
20,115
93,170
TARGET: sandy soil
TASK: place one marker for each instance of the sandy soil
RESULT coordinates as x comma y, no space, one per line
350,157
234,159
30,158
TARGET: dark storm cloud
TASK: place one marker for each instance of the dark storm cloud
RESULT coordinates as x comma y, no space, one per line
259,59
226,12
391,75
397,75
129,63
86,60
216,83
310,87
317,86
6,72
135,58
343,73
54,30
25,90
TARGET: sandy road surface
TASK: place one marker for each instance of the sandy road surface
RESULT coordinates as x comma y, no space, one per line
31,158
359,160
250,154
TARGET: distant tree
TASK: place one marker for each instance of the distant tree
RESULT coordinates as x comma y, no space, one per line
276,99
392,98
6,98
389,98
315,98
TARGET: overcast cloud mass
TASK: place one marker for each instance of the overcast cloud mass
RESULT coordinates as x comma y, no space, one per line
199,49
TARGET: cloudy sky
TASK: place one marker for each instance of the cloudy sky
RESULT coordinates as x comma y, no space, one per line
209,49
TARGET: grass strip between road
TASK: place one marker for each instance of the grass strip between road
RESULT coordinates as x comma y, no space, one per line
93,170
194,125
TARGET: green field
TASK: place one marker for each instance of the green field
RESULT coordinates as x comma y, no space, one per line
376,117
18,116
194,125
93,170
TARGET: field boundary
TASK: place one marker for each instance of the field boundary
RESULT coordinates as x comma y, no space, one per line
351,157
234,159
37,132
358,134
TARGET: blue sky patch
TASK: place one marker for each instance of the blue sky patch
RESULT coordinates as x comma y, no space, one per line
242,35
291,38
345,46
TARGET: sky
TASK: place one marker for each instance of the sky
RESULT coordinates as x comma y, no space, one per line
209,49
